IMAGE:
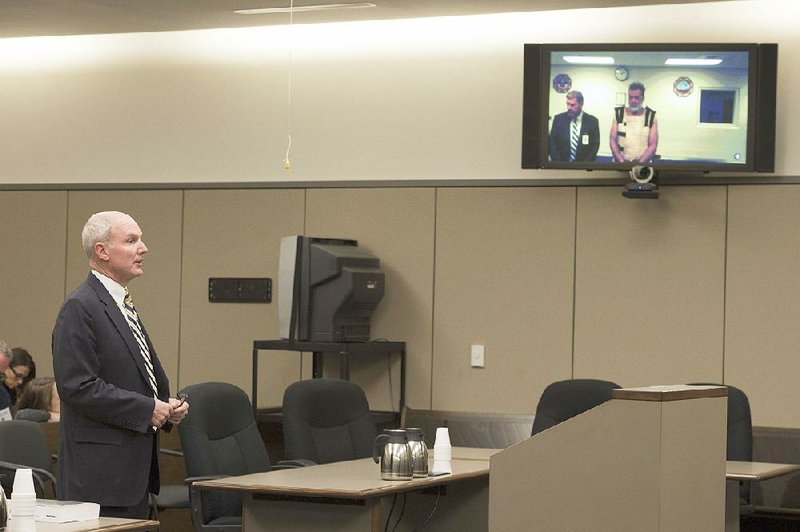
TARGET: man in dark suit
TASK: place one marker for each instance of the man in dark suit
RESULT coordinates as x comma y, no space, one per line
114,391
575,135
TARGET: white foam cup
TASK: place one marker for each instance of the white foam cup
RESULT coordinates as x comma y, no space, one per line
23,483
24,498
23,508
441,467
442,452
22,523
442,437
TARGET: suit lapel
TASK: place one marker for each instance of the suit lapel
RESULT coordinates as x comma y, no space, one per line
120,323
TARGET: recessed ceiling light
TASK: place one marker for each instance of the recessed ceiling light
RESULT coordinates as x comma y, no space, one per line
686,61
295,9
589,59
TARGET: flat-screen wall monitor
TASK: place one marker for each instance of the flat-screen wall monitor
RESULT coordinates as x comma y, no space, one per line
707,107
328,289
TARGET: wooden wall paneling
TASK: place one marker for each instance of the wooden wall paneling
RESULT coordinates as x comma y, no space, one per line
396,225
235,233
648,301
32,244
504,263
763,300
650,286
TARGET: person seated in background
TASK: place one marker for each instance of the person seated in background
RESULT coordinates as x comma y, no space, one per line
5,399
20,371
41,394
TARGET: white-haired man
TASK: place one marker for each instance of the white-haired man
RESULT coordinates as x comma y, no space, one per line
114,391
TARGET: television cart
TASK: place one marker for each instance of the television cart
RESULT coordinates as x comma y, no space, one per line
318,350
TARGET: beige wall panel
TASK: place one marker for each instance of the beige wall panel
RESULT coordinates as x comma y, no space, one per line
235,233
157,293
650,286
32,272
763,301
396,225
504,263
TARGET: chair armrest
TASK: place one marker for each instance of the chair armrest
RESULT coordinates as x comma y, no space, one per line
170,452
292,464
777,511
37,475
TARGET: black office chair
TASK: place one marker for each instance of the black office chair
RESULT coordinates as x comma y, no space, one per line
327,420
220,438
563,400
740,433
170,496
23,444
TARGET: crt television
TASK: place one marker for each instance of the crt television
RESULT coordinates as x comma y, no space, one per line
714,105
328,289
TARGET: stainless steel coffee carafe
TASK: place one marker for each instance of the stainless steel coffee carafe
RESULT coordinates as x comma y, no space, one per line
395,458
419,452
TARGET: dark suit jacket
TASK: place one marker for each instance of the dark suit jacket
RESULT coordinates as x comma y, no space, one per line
5,398
558,145
106,402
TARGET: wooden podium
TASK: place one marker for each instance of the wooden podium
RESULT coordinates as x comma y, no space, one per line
651,459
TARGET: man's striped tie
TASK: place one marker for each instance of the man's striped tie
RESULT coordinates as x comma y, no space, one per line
136,329
573,140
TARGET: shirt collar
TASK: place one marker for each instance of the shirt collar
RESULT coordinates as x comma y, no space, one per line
116,290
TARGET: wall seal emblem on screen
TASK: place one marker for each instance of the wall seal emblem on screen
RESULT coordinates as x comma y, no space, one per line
562,83
683,86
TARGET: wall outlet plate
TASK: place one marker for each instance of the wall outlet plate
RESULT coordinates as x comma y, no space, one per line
476,356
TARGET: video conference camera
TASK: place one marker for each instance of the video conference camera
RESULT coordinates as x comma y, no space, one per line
642,185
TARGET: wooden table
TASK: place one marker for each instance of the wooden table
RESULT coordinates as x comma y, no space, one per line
350,495
471,453
103,524
736,472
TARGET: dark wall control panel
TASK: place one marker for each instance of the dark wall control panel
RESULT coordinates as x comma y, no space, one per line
240,290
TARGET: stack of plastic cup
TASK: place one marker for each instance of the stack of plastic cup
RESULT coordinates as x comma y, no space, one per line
442,452
23,501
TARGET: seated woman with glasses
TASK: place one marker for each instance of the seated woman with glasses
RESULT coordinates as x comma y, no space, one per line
40,395
21,370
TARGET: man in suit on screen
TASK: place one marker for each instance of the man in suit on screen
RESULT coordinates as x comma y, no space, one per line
114,391
574,135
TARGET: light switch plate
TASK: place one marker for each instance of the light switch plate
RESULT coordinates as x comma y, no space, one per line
476,356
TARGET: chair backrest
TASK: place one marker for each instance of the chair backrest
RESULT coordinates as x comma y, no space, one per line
740,431
470,429
32,414
327,420
23,443
566,399
220,437
740,426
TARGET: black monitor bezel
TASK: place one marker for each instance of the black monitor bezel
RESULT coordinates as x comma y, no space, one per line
762,65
